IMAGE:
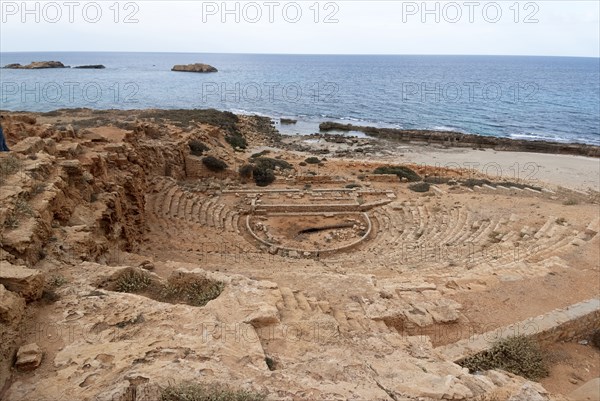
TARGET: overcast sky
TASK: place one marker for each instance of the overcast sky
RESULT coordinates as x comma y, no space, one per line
555,27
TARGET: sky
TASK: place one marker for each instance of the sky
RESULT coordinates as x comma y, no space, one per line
550,27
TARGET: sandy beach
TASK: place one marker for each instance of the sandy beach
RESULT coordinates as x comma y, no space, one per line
574,172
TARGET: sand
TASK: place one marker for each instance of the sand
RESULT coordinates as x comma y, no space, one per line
574,172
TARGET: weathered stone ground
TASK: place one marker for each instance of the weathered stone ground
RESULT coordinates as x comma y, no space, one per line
337,283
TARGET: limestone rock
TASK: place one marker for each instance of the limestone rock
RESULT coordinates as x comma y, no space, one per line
198,67
12,306
29,357
264,315
27,282
29,145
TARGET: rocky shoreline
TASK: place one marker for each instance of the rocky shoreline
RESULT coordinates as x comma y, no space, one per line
459,140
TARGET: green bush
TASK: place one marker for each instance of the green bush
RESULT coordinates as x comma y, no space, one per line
519,355
192,290
132,281
312,160
237,141
400,171
197,148
419,187
259,154
207,392
214,164
246,171
263,175
269,163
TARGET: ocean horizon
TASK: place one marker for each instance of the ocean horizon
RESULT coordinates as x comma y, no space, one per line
521,97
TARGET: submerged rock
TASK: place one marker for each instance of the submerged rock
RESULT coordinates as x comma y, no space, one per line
91,67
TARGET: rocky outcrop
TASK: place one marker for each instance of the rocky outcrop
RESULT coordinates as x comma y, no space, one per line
459,140
29,357
36,65
29,283
12,307
91,67
198,67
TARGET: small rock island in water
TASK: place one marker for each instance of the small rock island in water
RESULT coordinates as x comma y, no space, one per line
198,67
36,65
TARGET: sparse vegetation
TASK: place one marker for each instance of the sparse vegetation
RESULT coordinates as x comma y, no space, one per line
225,120
237,141
49,296
263,175
132,280
419,187
197,148
9,166
519,355
214,164
570,202
561,221
57,281
260,154
207,392
186,288
437,179
12,221
246,171
264,169
21,209
400,171
353,185
191,289
471,182
38,188
267,162
312,160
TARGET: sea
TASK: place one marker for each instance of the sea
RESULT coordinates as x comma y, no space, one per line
532,98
